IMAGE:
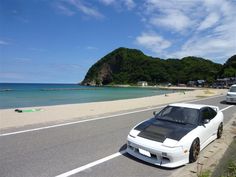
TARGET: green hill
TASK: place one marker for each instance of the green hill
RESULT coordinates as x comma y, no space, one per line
128,66
229,68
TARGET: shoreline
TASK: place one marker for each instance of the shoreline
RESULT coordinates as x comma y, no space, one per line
61,104
61,113
27,100
157,87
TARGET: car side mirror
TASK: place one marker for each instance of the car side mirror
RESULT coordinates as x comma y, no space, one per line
154,113
206,121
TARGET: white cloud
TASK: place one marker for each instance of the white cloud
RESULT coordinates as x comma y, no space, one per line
220,39
107,2
71,7
219,43
208,47
130,4
209,21
3,42
85,8
173,15
173,19
65,10
153,42
203,28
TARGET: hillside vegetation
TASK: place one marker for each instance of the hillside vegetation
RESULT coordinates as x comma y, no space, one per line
128,66
229,68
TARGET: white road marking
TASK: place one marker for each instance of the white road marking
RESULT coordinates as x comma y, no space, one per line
92,164
77,122
93,119
97,162
226,108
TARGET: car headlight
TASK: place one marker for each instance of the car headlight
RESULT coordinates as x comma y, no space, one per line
133,133
170,143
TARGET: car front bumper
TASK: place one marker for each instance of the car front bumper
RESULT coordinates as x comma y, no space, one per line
231,99
159,155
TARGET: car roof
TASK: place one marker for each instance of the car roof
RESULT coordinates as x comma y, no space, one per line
189,105
233,85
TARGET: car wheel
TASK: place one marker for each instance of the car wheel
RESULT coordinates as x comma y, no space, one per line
220,130
194,151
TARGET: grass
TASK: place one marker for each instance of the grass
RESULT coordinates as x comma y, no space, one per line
206,94
231,169
201,96
227,165
204,174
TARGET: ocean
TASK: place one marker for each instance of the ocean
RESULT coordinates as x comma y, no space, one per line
18,95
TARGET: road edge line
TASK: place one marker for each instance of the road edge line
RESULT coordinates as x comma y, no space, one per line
92,164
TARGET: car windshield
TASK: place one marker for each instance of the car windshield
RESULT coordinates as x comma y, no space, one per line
179,115
233,89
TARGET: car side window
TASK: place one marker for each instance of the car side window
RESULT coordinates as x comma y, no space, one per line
212,113
205,114
208,113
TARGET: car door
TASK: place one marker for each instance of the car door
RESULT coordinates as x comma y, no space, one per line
206,129
213,120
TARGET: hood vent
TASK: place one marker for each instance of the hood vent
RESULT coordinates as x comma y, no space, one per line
155,133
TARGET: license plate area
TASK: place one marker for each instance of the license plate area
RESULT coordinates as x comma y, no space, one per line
144,152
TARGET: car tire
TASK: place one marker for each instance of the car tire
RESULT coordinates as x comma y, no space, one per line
220,131
194,151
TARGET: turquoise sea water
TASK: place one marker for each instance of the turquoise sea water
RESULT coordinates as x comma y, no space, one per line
26,95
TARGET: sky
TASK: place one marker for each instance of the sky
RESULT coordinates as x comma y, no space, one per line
57,41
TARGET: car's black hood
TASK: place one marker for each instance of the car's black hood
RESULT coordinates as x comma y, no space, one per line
159,130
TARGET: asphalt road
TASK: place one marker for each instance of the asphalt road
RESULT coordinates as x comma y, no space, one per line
54,151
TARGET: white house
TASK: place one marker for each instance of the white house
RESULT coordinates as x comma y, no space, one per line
142,83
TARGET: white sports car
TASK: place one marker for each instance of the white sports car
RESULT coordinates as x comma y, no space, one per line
175,135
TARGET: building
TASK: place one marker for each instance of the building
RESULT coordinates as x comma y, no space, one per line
201,83
142,83
191,83
224,82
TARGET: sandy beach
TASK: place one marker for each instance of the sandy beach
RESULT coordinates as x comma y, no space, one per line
61,113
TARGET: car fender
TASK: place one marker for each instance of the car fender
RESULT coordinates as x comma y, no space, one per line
187,140
220,116
220,119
